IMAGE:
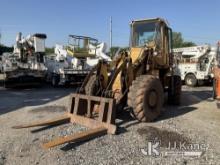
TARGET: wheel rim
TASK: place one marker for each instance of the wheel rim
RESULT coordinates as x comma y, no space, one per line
189,81
152,98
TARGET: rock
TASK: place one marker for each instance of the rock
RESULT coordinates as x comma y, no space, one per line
2,159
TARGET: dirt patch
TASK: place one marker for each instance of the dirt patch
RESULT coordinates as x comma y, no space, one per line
2,158
164,136
49,109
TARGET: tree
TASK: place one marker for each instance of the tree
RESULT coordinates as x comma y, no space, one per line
179,42
4,49
49,50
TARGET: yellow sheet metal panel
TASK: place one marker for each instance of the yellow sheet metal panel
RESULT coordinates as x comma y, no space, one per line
117,83
135,52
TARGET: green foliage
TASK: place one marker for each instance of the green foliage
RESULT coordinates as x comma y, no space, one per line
49,50
179,42
4,49
113,50
188,44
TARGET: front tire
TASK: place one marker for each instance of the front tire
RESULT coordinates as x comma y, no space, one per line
146,97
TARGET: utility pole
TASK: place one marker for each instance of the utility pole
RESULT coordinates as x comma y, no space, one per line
0,36
110,35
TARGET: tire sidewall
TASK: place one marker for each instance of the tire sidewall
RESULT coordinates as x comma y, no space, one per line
156,86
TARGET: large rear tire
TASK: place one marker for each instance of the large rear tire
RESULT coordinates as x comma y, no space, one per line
146,97
174,91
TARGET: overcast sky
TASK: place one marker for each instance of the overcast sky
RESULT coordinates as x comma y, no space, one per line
198,20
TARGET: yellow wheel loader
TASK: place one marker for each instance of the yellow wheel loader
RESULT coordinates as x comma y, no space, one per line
137,78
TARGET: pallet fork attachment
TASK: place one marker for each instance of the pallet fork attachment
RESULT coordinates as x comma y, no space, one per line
95,113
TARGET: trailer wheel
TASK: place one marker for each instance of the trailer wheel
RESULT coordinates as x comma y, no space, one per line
55,80
146,97
174,91
190,80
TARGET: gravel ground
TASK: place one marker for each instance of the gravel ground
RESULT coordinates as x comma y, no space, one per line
196,121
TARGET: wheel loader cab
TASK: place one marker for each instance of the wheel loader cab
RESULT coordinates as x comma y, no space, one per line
152,34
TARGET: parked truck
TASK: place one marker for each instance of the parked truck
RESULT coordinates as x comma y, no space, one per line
1,65
195,64
71,63
25,65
